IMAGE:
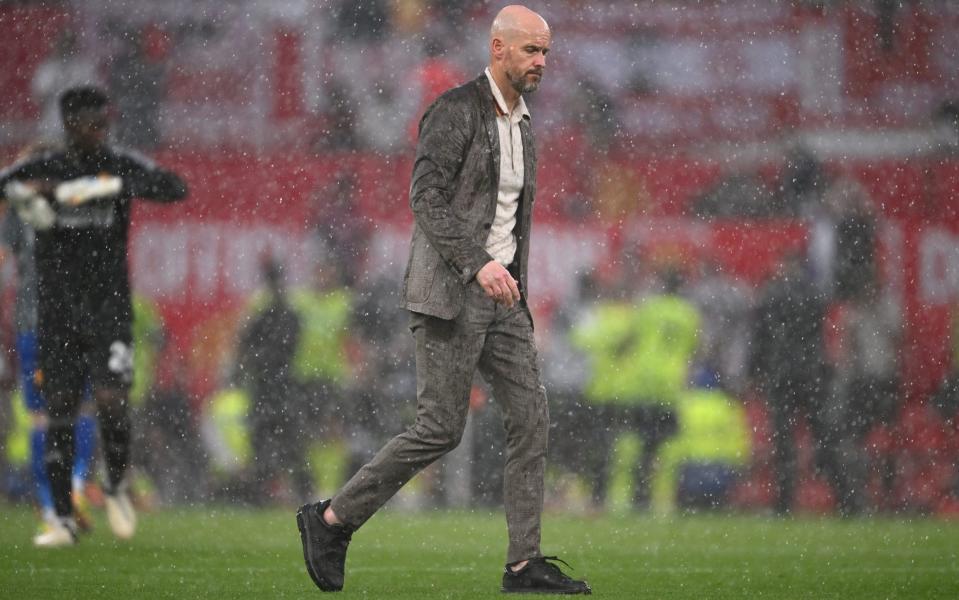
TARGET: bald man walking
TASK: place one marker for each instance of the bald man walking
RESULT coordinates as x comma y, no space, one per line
473,184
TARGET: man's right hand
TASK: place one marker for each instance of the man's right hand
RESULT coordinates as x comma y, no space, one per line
498,284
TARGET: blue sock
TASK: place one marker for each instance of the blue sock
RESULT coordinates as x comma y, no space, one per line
38,467
85,432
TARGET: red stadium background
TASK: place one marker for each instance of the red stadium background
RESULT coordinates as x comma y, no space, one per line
253,193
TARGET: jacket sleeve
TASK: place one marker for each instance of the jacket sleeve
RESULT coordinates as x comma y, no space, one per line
142,178
444,140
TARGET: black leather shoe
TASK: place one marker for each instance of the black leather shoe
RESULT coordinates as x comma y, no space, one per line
324,546
542,577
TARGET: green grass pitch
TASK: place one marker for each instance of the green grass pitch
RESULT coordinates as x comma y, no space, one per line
231,553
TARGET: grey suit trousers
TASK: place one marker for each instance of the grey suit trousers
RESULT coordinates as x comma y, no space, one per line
498,341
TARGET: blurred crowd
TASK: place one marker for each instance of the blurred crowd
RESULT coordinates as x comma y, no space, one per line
673,384
345,76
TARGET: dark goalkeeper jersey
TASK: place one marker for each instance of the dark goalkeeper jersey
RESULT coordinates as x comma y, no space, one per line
84,253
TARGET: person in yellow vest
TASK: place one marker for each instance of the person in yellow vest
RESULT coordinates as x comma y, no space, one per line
15,429
147,339
701,465
640,351
321,366
225,433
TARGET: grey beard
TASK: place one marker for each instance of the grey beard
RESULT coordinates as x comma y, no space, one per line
522,85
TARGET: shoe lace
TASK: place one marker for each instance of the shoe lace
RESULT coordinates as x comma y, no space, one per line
555,569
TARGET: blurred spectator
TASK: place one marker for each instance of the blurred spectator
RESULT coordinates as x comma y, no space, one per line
66,68
866,383
376,70
855,268
595,112
14,419
149,338
788,364
945,400
338,125
488,441
15,423
802,182
702,464
640,350
341,234
725,304
384,374
265,357
362,21
173,456
842,240
738,195
137,82
225,433
322,362
566,372
945,122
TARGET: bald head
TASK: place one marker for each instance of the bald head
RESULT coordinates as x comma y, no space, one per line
516,19
519,41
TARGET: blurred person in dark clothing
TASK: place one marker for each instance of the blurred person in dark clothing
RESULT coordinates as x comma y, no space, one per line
85,307
369,20
855,255
802,182
173,455
739,195
842,240
383,371
566,371
725,303
945,400
788,364
265,354
342,234
867,381
136,81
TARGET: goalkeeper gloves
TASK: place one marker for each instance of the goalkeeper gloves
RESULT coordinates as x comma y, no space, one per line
32,208
83,189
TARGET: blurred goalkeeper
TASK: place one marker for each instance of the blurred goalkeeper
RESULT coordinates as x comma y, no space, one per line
78,201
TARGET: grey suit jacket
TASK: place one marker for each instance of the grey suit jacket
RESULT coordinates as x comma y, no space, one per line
453,196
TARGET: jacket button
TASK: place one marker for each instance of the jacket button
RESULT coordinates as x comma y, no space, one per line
487,225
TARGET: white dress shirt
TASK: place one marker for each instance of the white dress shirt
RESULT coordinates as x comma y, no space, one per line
501,243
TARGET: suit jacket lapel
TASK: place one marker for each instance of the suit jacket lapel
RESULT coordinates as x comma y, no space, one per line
488,110
529,162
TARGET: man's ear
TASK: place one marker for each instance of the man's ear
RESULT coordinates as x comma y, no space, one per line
497,47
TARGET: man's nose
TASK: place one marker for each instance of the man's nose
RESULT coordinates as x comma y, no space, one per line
539,60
